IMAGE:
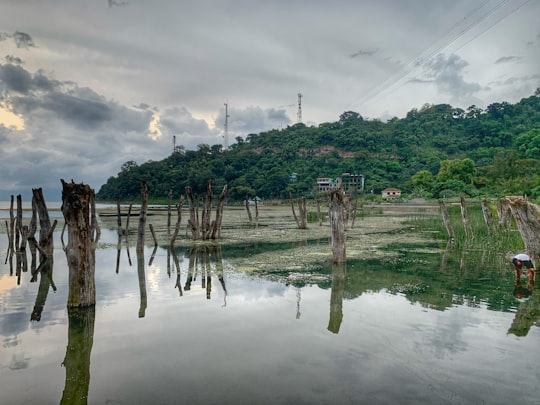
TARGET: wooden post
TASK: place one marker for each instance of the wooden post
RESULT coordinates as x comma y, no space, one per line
465,218
446,220
76,206
337,223
528,223
142,216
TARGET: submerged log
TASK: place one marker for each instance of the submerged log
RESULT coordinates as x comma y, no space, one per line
76,206
337,224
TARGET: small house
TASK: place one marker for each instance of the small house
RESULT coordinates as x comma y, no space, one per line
390,193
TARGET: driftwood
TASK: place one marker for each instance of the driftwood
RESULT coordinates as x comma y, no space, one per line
465,218
337,224
528,223
446,220
76,207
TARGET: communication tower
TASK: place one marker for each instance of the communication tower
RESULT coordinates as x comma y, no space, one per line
226,127
299,114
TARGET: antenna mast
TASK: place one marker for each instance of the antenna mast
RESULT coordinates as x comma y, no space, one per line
299,114
226,127
174,143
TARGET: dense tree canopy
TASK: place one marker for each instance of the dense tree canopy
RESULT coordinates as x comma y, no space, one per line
435,149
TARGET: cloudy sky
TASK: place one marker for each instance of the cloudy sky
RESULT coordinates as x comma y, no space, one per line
86,85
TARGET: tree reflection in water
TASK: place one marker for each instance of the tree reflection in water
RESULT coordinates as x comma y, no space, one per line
77,360
336,297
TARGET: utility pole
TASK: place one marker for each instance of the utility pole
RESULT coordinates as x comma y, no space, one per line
299,114
226,127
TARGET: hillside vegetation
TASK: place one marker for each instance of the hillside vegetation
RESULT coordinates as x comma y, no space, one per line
435,151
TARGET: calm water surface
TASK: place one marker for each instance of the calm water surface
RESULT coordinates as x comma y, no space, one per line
418,330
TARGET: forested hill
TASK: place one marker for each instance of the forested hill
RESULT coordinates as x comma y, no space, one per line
433,151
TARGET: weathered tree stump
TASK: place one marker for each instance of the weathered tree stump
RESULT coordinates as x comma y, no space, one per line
216,229
301,220
45,229
178,222
337,224
76,207
246,203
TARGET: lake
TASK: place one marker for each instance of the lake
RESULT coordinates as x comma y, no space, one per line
265,318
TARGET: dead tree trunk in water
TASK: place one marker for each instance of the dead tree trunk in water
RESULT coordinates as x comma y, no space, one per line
178,222
446,220
301,222
504,213
216,229
528,223
487,215
465,218
45,228
76,207
142,216
207,212
193,222
246,203
337,223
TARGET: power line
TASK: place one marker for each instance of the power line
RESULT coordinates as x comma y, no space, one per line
427,54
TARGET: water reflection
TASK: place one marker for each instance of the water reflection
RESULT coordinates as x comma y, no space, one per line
142,282
336,297
528,311
45,282
77,359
